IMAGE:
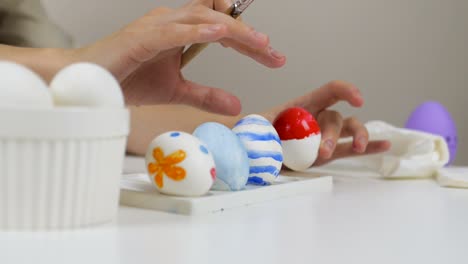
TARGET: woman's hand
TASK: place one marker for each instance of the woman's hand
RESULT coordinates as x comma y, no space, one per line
145,56
333,125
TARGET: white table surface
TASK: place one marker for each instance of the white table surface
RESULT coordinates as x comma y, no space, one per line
362,221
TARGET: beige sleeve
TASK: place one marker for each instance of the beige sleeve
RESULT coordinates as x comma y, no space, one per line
25,23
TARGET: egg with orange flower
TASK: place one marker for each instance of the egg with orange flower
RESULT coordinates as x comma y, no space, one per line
180,164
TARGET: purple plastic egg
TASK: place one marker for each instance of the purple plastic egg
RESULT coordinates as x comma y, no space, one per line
434,118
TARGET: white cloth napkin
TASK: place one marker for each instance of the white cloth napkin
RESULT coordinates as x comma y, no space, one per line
453,177
412,155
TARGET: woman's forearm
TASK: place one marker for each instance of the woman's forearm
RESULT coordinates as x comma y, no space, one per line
45,62
150,121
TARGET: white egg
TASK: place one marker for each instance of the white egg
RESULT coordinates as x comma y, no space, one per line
180,164
300,154
22,88
86,84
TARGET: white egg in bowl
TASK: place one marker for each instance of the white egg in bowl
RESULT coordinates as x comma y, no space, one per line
20,87
86,84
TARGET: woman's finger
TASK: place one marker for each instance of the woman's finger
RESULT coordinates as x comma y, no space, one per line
330,123
328,95
237,30
210,99
352,127
218,5
158,25
173,35
346,150
268,57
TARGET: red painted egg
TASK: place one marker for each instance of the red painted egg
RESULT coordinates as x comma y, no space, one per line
296,123
300,137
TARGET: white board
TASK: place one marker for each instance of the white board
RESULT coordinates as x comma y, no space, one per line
137,191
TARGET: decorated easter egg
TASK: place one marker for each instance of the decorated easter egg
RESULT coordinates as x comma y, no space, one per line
300,136
86,84
22,88
432,117
263,147
180,164
232,164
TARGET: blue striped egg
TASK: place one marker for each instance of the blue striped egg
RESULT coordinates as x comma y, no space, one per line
263,147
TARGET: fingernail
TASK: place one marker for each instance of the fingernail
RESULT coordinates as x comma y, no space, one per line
329,144
360,144
328,147
260,36
276,54
362,141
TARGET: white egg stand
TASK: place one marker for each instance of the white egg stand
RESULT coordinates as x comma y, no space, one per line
60,168
137,191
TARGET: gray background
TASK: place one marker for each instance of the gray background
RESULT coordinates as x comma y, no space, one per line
398,52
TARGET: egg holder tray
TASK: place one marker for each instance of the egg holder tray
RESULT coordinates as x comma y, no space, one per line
137,191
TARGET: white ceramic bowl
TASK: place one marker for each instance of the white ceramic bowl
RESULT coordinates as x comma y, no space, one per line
60,168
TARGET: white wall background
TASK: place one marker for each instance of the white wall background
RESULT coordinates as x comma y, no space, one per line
399,52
